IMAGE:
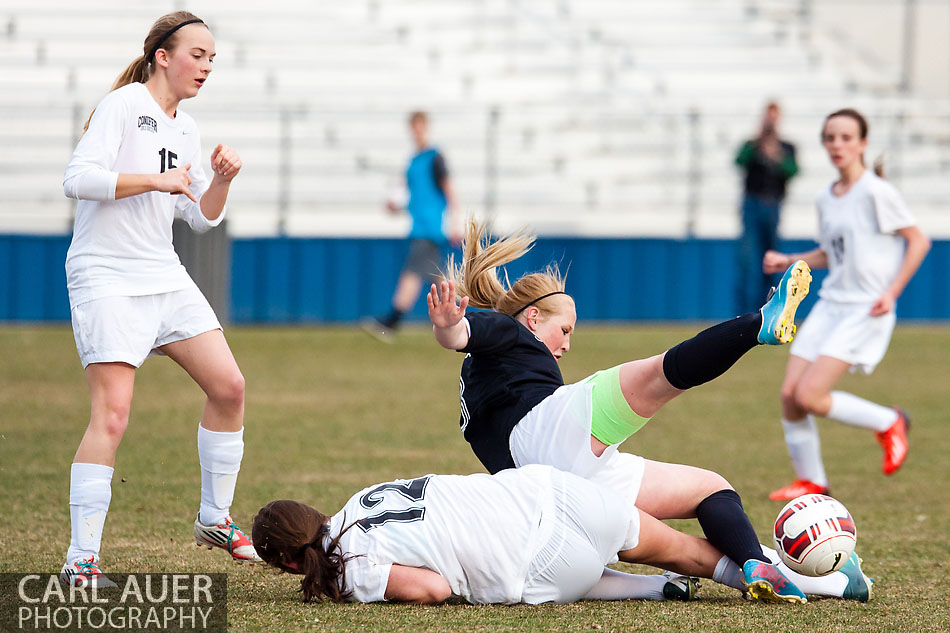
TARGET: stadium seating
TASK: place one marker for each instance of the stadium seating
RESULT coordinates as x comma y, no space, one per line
590,117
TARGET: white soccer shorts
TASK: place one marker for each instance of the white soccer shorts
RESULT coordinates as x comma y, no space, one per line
130,329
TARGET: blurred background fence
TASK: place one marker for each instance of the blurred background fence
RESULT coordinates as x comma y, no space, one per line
608,126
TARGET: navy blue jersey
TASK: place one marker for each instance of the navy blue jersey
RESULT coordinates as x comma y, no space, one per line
506,373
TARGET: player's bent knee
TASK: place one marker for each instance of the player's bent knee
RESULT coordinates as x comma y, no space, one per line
713,482
788,396
807,399
229,393
114,422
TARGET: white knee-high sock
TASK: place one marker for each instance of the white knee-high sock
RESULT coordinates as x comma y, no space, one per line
616,585
804,447
850,409
830,586
90,491
728,573
220,456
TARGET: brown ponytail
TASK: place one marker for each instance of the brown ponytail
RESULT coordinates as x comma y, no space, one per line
476,276
879,166
140,69
292,533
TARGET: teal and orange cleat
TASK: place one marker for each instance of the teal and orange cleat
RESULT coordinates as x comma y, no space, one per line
767,583
778,313
85,573
859,585
229,537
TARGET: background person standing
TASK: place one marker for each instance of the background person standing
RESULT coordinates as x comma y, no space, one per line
430,194
769,163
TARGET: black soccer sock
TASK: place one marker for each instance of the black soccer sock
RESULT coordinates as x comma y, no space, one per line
712,352
728,528
392,321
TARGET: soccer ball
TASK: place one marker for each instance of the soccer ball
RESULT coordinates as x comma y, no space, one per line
815,535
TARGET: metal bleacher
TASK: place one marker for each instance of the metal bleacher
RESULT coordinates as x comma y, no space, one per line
587,117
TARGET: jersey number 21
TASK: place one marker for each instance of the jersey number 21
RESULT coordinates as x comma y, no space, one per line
412,489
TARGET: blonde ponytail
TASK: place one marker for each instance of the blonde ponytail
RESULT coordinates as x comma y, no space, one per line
136,72
476,277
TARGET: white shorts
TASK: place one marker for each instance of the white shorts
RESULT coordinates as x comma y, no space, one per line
130,329
583,531
846,332
556,432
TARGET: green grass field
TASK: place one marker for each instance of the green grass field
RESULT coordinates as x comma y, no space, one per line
331,410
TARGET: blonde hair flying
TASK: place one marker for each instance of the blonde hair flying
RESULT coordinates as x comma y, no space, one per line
477,278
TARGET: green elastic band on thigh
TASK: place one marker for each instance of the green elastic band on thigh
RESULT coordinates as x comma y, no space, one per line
612,420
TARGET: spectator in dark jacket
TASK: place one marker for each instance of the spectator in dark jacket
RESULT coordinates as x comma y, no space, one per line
769,163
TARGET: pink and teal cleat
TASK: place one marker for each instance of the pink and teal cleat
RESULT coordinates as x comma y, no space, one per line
767,583
84,573
228,537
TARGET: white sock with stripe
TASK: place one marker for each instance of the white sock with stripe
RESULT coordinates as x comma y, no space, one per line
617,585
804,447
90,491
850,409
220,455
729,574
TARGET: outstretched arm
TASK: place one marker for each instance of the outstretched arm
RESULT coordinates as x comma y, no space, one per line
446,316
416,585
775,262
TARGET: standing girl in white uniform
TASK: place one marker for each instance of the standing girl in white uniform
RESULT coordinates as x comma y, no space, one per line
136,168
872,246
516,409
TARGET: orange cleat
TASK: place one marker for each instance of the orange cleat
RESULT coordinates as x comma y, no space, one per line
228,537
85,573
894,443
796,489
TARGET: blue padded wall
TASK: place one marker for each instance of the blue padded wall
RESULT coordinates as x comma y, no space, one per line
338,280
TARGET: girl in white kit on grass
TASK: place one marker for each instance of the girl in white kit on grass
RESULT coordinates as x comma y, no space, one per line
136,168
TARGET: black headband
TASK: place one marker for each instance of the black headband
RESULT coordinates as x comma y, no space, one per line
531,303
157,46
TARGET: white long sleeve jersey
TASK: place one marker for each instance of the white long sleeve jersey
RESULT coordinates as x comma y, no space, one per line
124,247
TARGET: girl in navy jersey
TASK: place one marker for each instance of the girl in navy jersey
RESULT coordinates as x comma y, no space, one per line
137,167
872,246
516,409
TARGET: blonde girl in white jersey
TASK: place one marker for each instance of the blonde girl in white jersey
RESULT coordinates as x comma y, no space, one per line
872,246
136,168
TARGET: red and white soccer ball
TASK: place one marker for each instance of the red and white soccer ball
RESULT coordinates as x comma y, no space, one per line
815,535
